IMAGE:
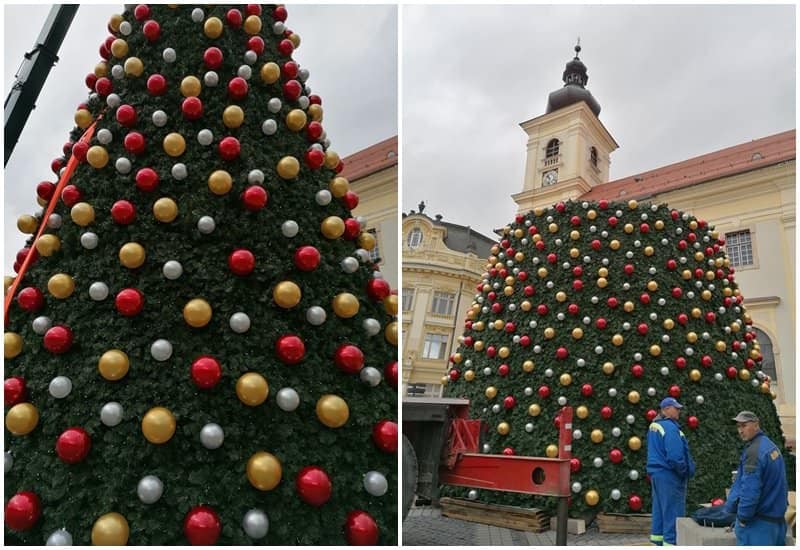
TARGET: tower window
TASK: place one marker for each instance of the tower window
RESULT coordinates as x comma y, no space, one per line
593,156
552,148
415,238
739,247
768,361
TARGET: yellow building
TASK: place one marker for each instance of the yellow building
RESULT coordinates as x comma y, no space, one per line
442,264
372,173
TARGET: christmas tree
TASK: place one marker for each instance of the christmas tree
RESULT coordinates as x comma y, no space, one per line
200,349
609,307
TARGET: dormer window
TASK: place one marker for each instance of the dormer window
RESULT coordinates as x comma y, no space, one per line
415,238
593,156
552,149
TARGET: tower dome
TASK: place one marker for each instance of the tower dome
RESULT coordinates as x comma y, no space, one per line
574,91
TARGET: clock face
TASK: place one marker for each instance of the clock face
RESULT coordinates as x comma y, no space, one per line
550,177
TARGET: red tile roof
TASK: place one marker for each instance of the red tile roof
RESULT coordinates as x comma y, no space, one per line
370,160
726,162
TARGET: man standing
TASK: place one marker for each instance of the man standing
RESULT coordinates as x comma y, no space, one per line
759,496
670,466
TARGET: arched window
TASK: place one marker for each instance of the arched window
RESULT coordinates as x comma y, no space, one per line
552,148
768,363
415,238
593,156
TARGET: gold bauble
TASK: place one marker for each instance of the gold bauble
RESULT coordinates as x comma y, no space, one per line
212,28
133,67
659,225
119,48
27,224
174,144
294,38
602,272
114,22
232,116
617,340
82,214
490,392
614,245
8,280
691,337
12,345
652,286
132,255
633,396
478,345
457,358
632,204
498,324
508,291
696,313
720,346
158,425
479,326
706,295
526,305
744,374
765,387
367,240
695,375
469,375
42,202
390,333
542,272
83,118
565,379
332,227
22,418
270,72
735,327
252,389
518,233
264,471
190,86
519,256
628,307
698,256
332,411
338,186
296,120
693,225
577,333
101,69
634,443
561,296
534,410
503,352
649,251
668,324
574,252
110,530
608,368
549,333
602,282
655,350
197,313
331,159
444,380
97,156
390,304
597,436
591,497
538,211
252,25
686,274
574,235
727,292
345,305
113,365
628,228
48,244
165,210
528,366
551,451
288,168
61,286
509,280
582,412
591,214
754,353
553,228
220,182
503,428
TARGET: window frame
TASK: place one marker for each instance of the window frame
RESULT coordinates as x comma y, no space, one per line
410,292
410,240
438,338
737,246
438,297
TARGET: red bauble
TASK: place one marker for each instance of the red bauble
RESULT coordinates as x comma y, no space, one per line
67,147
675,391
315,159
23,253
378,289
30,299
23,511
279,13
600,323
508,451
350,200
213,57
596,244
525,341
542,309
73,445
503,370
509,402
289,70
349,358
134,142
351,229
290,349
359,528
234,18
314,130
544,392
71,195
574,465
615,456
642,328
390,373
241,262
254,197
510,327
731,372
384,434
255,9
123,212
237,88
45,190
692,422
103,86
146,180
141,12
192,108
672,265
635,502
256,44
606,412
129,302
637,370
706,361
306,258
677,292
644,298
491,351
202,526
15,390
613,221
454,374
650,414
551,258
56,165
680,362
206,372
90,80
126,116
562,353
529,290
587,390
292,90
313,485
229,148
285,47
58,339
151,30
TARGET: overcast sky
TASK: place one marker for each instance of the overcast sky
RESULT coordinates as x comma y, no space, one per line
673,82
350,51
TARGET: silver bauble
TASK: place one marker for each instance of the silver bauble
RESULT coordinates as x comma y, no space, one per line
168,54
111,414
212,436
349,265
117,72
576,487
316,315
278,27
529,427
496,408
303,102
172,270
206,225
239,322
269,127
179,171
616,494
486,448
528,391
287,399
375,483
160,118
472,494
104,136
54,221
651,391
577,434
211,79
597,462
274,105
98,291
289,228
371,326
150,489
122,165
487,371
323,197
370,375
255,177
633,474
8,461
255,524
699,400
60,537
41,324
205,137
113,101
718,377
161,350
245,72
616,432
664,371
60,387
250,57
562,400
612,392
630,419
198,15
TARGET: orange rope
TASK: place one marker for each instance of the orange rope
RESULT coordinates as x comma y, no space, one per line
51,206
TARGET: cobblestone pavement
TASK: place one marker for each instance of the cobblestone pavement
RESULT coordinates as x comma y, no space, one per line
425,526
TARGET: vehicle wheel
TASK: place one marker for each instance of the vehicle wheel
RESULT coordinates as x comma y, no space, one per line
410,473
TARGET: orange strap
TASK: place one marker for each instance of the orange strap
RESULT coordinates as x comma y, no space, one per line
62,182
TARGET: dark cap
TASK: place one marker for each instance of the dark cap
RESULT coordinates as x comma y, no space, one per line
670,402
746,416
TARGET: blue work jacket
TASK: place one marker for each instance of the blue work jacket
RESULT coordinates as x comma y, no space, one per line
760,489
667,449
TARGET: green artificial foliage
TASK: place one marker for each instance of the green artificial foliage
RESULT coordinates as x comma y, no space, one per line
73,496
543,259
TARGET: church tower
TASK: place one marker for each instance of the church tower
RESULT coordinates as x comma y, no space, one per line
569,149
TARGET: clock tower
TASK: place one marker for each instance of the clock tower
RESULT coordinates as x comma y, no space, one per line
569,149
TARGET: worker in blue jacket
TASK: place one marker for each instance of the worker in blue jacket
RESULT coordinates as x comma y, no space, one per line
670,467
759,496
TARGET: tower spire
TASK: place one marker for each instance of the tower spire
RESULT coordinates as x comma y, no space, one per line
575,78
